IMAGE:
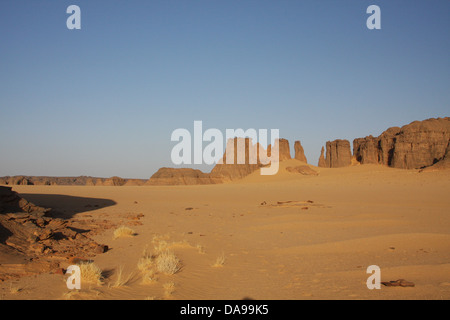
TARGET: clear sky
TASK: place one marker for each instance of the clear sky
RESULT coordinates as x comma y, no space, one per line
104,100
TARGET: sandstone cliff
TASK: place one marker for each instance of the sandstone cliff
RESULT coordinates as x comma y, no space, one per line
179,176
322,163
224,171
338,154
417,145
299,152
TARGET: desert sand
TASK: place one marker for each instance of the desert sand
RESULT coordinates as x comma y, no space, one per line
288,236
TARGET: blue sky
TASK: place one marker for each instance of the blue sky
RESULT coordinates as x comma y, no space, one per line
104,100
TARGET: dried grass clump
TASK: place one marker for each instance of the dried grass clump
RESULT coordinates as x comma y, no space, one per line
91,273
220,261
166,262
123,232
121,280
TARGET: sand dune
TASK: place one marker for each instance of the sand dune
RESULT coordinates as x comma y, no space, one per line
288,236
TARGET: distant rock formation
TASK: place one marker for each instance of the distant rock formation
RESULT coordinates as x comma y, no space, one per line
68,181
444,163
417,145
134,182
238,166
284,151
224,171
179,176
299,152
322,163
338,154
114,181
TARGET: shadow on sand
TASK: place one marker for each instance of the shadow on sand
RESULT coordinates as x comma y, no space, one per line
66,207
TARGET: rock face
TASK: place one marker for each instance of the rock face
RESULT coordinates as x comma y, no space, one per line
417,145
322,163
41,241
299,152
68,181
442,164
284,151
224,171
179,176
338,154
114,181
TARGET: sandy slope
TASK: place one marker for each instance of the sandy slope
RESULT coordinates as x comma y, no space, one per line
356,217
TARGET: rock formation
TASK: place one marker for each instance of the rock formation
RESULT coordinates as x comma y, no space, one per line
239,165
224,171
284,152
442,164
416,145
179,176
68,181
322,163
299,152
114,181
338,154
40,241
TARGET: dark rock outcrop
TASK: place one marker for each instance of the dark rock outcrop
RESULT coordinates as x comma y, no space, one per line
41,241
224,171
442,164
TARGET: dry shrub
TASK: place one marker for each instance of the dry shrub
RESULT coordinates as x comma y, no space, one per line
91,273
121,280
123,232
167,262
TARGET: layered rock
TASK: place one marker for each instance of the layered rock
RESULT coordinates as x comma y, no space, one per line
299,152
338,154
416,145
241,164
68,181
179,176
41,241
114,181
284,151
322,163
442,164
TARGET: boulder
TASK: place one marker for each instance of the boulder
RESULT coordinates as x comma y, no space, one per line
322,163
179,176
